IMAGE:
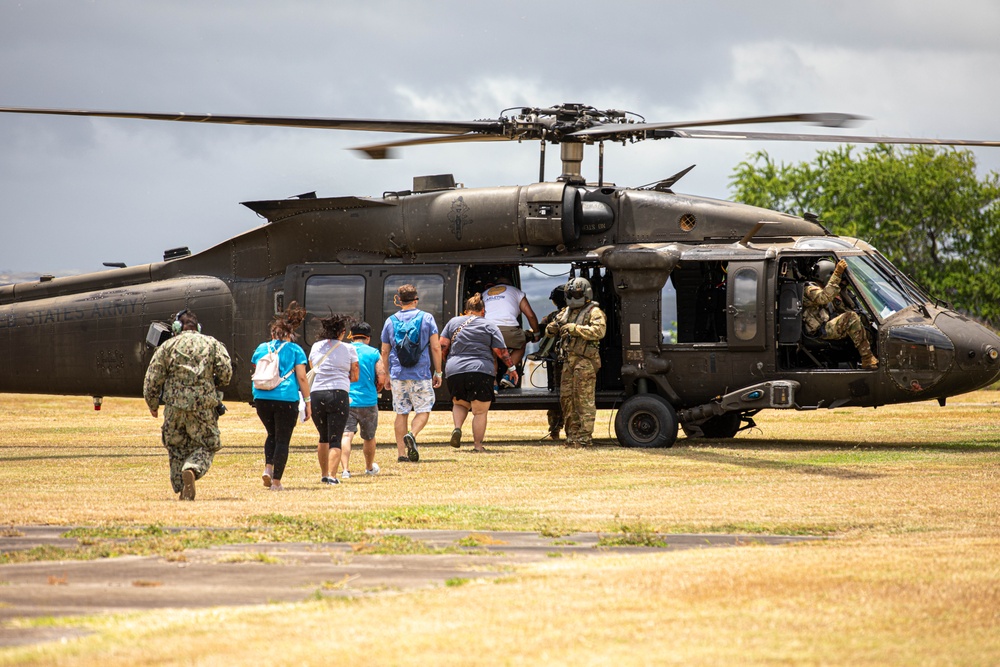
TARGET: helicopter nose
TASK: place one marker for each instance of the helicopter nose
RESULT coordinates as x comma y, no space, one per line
953,355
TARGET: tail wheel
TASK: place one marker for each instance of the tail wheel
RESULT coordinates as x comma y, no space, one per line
646,420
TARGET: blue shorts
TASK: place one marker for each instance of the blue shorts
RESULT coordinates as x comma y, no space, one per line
412,396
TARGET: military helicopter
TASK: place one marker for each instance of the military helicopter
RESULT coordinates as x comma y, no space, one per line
703,297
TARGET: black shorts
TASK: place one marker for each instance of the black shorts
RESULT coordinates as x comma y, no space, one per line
471,387
329,413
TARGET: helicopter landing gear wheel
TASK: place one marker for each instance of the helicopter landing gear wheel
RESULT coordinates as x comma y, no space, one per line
646,420
722,426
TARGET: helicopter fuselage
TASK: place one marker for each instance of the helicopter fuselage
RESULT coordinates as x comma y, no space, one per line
704,303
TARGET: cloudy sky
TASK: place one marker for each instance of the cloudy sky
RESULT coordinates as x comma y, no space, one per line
77,192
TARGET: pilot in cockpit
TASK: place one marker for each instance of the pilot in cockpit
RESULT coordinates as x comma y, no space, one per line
824,314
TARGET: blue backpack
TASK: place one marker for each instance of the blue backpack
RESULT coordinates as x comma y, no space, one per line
406,336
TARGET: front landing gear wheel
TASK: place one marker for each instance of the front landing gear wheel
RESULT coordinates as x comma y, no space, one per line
646,420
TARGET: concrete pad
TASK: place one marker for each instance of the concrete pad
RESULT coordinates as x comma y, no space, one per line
237,574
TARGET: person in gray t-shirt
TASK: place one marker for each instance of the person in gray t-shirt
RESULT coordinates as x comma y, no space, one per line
468,344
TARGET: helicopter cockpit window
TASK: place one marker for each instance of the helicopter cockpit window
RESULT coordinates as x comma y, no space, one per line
430,289
822,243
877,287
332,294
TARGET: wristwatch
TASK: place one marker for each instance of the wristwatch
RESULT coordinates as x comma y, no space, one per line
438,373
511,369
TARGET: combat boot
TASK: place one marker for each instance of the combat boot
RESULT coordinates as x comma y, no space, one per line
868,360
187,491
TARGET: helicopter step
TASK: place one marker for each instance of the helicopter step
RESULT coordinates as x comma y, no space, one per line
523,398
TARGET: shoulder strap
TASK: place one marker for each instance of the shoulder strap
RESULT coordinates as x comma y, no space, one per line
462,326
332,348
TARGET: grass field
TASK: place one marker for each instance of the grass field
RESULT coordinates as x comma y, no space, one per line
908,495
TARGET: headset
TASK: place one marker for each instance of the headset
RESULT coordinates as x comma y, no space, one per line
177,326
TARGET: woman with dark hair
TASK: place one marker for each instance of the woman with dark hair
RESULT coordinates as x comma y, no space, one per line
469,343
278,408
336,367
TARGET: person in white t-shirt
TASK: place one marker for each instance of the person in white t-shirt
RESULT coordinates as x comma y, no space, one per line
336,366
504,305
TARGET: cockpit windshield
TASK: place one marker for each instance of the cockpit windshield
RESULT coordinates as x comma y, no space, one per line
881,286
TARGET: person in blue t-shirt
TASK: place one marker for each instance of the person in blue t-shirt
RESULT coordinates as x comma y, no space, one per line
412,386
364,401
278,408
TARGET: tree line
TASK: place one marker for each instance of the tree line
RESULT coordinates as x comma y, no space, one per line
923,207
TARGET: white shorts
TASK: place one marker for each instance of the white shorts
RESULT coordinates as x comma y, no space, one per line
412,396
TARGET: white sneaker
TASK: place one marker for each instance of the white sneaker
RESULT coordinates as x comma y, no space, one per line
345,475
373,471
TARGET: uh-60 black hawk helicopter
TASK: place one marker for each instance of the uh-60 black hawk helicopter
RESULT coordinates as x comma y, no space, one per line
703,297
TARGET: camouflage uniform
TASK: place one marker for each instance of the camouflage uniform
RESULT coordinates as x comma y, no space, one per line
818,305
580,331
554,366
185,371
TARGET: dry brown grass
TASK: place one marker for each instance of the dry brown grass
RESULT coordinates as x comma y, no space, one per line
909,494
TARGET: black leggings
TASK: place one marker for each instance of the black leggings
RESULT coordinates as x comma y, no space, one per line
329,411
278,418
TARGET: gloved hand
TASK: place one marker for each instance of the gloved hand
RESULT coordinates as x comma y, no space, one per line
552,329
840,268
568,329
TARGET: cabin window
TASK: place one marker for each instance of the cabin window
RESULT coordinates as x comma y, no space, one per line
430,289
326,295
693,304
745,304
668,314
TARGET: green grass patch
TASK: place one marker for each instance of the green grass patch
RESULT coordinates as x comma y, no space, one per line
443,517
553,528
636,534
250,557
480,540
791,530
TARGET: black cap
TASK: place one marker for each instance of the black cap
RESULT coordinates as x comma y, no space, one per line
361,329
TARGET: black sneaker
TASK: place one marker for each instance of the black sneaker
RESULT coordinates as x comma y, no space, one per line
411,447
456,438
329,480
402,459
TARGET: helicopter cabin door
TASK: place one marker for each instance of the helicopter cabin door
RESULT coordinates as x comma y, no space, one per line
746,306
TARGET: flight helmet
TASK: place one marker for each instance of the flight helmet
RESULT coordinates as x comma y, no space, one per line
823,269
578,292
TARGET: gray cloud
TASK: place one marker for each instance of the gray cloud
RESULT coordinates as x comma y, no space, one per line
77,192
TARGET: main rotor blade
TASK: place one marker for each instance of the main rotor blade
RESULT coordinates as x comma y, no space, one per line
828,138
822,119
384,151
428,126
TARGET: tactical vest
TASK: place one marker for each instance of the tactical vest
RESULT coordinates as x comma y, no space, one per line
571,346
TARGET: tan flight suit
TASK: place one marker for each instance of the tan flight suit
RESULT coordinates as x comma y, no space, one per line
580,331
818,302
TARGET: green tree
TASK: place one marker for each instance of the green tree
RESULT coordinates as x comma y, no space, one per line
923,207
